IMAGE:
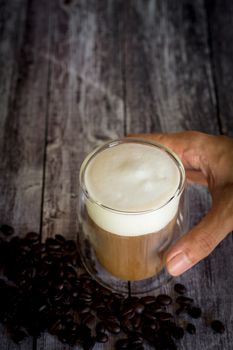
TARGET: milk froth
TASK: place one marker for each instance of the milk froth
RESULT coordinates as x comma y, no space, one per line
128,186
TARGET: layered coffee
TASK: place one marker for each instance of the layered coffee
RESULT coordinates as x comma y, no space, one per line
131,203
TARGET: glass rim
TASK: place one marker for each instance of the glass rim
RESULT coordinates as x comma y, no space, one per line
124,140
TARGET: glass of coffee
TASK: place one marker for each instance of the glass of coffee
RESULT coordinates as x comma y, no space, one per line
132,207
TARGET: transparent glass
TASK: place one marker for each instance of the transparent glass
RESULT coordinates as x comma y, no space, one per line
118,261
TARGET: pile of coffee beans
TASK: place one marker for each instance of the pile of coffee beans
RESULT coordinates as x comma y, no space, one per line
43,288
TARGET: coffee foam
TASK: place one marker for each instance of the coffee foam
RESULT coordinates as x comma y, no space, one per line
135,181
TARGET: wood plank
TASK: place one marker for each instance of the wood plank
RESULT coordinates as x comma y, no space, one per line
85,108
22,131
169,86
24,35
220,24
11,31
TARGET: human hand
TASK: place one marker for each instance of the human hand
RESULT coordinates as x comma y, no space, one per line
208,160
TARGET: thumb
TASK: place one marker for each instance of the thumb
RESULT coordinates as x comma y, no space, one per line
197,243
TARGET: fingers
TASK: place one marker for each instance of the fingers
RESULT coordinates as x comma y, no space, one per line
186,145
194,176
197,243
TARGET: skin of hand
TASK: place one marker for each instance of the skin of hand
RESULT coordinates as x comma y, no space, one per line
208,160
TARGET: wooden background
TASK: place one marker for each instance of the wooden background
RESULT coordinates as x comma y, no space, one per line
76,73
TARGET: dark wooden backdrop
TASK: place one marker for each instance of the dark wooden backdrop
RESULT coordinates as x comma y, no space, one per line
76,73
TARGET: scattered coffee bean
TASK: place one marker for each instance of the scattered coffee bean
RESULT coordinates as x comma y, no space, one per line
218,326
139,308
44,293
177,332
194,312
190,328
148,300
181,309
148,315
128,311
163,316
122,344
164,299
182,300
127,326
113,327
101,338
101,328
7,230
180,288
155,307
136,321
88,343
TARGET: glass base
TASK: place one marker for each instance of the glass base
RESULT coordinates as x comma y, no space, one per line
107,280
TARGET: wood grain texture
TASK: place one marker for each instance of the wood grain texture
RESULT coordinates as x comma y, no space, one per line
220,22
85,108
24,35
169,85
85,105
77,73
23,112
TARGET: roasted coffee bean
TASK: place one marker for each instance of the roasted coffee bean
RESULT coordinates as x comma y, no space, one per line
101,312
148,334
85,297
88,319
148,300
7,230
190,328
32,237
83,309
101,328
48,294
113,327
165,342
177,332
18,334
194,312
218,326
60,239
139,308
180,288
98,305
135,342
122,344
152,324
136,321
148,315
131,300
182,300
70,246
128,311
50,241
127,326
163,316
88,343
75,294
110,318
101,337
181,309
164,299
155,307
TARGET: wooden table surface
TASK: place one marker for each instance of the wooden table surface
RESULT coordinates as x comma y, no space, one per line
76,73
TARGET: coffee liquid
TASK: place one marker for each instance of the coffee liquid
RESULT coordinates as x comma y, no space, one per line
131,258
131,207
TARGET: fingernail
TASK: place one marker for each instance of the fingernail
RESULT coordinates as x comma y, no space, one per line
178,264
